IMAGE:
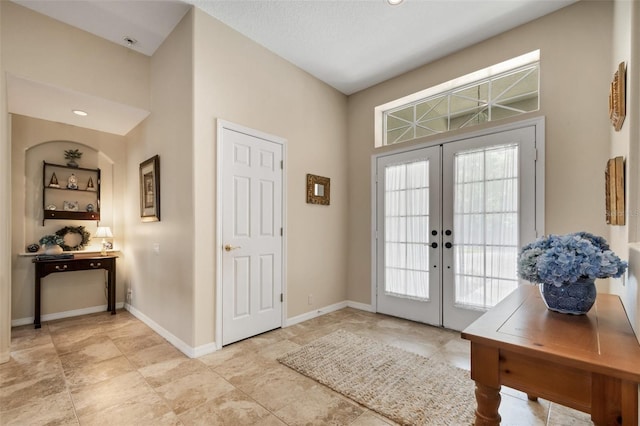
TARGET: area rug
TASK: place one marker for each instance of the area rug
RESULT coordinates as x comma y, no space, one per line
402,386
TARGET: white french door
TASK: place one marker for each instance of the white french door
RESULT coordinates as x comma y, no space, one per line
408,259
251,233
449,223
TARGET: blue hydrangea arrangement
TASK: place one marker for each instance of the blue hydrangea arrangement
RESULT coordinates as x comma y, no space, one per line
51,240
560,259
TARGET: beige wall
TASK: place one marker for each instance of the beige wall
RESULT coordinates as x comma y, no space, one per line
626,239
575,45
47,51
162,282
205,71
240,81
35,141
5,211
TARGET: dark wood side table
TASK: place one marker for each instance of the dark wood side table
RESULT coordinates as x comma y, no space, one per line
78,263
589,362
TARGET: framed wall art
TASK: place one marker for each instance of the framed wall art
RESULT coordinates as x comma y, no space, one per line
150,189
617,97
318,190
614,191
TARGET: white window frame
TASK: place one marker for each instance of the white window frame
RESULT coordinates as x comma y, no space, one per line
446,88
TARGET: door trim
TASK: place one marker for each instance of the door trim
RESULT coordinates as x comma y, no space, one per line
221,126
538,123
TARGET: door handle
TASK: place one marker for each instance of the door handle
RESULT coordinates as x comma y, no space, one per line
229,247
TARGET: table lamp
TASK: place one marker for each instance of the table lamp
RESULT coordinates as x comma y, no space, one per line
104,232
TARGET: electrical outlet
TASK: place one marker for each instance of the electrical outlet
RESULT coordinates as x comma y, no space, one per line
129,296
310,299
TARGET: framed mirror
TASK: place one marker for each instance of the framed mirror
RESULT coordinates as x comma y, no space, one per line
318,190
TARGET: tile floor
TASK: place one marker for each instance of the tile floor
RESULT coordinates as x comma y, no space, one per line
113,370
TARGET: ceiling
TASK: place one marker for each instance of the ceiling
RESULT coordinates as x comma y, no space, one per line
349,44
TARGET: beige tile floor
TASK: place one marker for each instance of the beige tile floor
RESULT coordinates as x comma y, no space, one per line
113,370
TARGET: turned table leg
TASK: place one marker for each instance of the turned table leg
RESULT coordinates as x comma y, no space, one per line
488,400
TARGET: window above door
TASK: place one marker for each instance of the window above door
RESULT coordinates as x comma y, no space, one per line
503,90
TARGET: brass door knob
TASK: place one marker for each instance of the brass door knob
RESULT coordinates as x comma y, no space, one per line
229,248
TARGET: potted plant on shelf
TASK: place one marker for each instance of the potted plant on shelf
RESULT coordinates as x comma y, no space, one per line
72,155
52,244
566,267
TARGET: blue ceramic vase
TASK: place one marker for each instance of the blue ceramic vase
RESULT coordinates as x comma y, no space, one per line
570,298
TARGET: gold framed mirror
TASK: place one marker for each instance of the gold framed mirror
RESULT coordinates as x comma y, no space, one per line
318,190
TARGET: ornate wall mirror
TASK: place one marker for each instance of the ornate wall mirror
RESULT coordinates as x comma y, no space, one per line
318,189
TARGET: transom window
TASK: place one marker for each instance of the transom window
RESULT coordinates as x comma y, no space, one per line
501,91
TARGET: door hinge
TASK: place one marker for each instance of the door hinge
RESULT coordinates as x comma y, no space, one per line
281,297
535,156
281,232
281,164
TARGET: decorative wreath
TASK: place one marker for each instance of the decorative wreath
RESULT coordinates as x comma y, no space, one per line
86,236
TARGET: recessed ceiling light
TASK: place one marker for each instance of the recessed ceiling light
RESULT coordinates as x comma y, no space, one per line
394,2
79,112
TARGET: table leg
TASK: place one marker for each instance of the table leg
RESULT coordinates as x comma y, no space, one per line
36,304
112,287
488,400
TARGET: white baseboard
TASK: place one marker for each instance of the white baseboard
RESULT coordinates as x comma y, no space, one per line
360,306
331,308
65,314
5,357
315,313
189,351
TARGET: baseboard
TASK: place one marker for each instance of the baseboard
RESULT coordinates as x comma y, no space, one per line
331,308
360,306
65,314
315,313
189,351
5,357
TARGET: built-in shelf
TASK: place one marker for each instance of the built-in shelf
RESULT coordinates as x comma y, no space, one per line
81,203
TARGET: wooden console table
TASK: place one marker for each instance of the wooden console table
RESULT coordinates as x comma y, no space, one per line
589,362
78,263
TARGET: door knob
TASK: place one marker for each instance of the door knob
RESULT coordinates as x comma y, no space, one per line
229,248
434,245
448,245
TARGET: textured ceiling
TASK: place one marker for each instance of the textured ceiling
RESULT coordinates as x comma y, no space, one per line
355,44
349,44
149,22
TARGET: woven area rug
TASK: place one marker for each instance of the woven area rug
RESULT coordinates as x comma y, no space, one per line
404,387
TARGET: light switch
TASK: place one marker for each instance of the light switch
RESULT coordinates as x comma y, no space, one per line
156,248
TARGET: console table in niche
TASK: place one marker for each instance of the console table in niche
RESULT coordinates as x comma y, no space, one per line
78,263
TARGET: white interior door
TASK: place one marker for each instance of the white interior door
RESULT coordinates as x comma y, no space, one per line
252,246
450,220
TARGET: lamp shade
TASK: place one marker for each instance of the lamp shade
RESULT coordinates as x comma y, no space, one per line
104,232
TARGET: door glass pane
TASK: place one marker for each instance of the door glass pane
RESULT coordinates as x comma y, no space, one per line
406,211
486,225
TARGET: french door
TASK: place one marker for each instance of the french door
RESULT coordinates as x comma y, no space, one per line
449,223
